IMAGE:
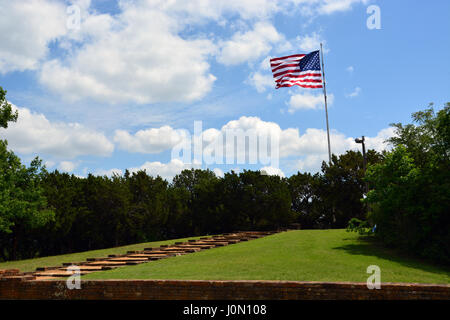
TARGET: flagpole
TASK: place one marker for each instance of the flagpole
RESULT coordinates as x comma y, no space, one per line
326,109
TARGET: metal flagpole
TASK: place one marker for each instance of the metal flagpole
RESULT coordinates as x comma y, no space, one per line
326,109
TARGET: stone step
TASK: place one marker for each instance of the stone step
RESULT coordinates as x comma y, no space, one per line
87,268
193,246
17,278
163,252
46,268
95,259
40,278
181,250
9,272
134,257
146,256
67,264
183,247
218,243
133,263
126,259
108,263
59,273
202,245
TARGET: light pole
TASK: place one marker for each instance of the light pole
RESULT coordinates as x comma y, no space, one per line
357,140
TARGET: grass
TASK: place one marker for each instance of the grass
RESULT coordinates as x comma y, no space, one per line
32,264
301,255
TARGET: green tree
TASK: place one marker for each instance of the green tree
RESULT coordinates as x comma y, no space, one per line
303,188
148,208
6,113
65,196
197,188
23,207
410,189
333,197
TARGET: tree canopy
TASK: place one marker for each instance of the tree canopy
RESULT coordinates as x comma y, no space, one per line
410,189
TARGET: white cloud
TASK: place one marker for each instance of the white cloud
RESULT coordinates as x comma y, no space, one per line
153,140
218,172
164,170
27,28
49,164
310,42
332,6
67,166
350,69
146,52
135,56
355,93
378,142
271,171
315,149
34,133
311,145
108,173
261,81
307,101
249,46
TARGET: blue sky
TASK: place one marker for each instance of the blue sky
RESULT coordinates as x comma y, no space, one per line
102,86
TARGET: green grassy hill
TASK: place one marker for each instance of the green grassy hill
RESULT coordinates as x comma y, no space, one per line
32,264
302,255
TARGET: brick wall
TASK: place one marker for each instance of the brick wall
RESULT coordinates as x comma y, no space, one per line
215,290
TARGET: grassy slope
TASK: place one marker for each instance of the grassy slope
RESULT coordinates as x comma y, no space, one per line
303,255
32,264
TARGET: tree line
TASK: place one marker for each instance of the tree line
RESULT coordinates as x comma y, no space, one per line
47,213
63,213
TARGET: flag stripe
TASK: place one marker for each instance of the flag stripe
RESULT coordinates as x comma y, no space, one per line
287,71
300,85
286,57
296,74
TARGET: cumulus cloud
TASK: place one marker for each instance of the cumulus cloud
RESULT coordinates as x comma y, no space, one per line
271,171
67,166
302,101
146,52
261,81
218,172
249,46
135,56
164,170
34,133
262,78
332,6
310,42
152,140
26,29
311,145
291,141
108,173
314,146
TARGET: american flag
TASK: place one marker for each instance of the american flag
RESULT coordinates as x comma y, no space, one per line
297,70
